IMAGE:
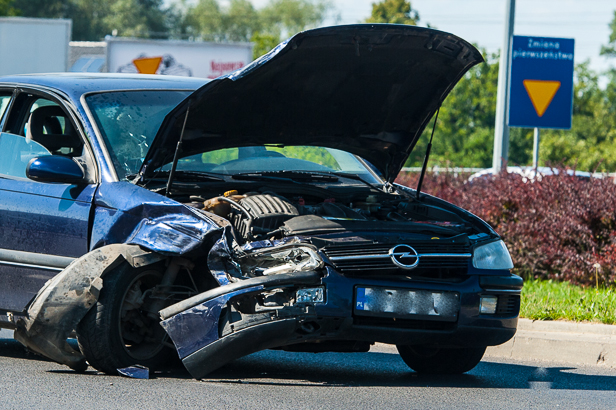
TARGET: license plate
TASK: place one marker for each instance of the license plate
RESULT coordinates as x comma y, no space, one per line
405,303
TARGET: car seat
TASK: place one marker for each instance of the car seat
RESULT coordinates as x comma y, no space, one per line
44,126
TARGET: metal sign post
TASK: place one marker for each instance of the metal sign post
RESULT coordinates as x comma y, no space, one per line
501,130
536,150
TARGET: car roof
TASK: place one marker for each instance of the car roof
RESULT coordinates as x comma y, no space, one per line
76,84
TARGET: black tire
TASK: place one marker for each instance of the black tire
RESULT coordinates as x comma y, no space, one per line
111,340
439,360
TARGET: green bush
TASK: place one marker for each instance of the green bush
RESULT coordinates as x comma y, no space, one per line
560,227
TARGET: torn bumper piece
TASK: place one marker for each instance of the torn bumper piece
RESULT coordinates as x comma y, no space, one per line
135,372
206,341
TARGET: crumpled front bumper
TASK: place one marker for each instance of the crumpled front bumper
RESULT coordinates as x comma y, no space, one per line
205,340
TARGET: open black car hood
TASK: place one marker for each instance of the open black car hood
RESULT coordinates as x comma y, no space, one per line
366,89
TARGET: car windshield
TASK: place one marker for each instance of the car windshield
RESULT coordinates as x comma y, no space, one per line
268,159
128,122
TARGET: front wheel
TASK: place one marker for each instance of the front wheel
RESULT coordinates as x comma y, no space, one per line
118,332
440,360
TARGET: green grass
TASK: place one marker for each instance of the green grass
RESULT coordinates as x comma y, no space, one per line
549,300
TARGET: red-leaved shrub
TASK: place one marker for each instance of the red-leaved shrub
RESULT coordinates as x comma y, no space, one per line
557,227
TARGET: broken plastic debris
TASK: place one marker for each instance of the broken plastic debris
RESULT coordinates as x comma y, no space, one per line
136,372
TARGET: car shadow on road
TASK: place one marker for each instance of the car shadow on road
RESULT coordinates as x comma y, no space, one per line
387,369
273,367
12,348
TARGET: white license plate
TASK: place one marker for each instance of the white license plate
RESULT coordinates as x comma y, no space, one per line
419,304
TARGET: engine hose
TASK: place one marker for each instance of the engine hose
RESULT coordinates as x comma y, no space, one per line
243,210
236,205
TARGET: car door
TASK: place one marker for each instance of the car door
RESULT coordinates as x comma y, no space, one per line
43,225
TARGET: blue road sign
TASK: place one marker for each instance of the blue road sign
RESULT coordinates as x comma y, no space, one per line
541,94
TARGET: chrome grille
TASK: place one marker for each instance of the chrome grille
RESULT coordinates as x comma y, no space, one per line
374,259
380,248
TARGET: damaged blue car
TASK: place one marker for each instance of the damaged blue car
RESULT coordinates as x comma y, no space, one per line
155,217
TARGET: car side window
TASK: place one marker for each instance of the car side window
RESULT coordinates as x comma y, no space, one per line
49,125
37,126
5,99
16,152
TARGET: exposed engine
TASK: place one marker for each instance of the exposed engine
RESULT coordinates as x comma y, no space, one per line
261,214
256,215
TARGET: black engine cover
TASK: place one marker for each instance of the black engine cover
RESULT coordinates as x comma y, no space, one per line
268,213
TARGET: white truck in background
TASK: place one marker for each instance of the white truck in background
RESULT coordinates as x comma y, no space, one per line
175,57
34,45
164,57
37,45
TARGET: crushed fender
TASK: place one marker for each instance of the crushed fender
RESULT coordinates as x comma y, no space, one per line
67,297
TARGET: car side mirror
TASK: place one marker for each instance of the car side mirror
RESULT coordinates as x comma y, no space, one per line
54,168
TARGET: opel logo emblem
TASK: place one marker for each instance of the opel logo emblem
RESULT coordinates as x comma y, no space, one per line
404,256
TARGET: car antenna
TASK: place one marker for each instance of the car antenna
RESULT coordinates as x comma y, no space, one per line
176,156
425,163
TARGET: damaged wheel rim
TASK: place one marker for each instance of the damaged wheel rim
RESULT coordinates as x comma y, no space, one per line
141,335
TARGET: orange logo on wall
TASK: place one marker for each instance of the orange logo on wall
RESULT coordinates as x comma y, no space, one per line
147,65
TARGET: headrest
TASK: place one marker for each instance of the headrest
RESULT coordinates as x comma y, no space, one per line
45,128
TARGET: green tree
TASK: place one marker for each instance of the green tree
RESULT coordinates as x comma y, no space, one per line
263,43
205,20
237,22
7,8
591,142
465,130
89,19
287,17
610,48
394,12
240,21
464,134
92,20
43,8
87,15
137,18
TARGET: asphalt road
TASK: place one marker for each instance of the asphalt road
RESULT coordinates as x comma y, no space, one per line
281,380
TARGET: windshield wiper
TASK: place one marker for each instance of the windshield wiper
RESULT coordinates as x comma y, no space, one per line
303,176
360,179
187,176
287,176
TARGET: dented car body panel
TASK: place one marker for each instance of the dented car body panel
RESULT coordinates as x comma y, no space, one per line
125,213
270,225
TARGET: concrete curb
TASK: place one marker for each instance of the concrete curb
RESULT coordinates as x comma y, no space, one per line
558,341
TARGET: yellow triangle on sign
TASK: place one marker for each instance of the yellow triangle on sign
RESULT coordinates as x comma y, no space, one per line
147,65
541,93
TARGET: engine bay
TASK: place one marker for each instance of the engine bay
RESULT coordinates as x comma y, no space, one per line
265,214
